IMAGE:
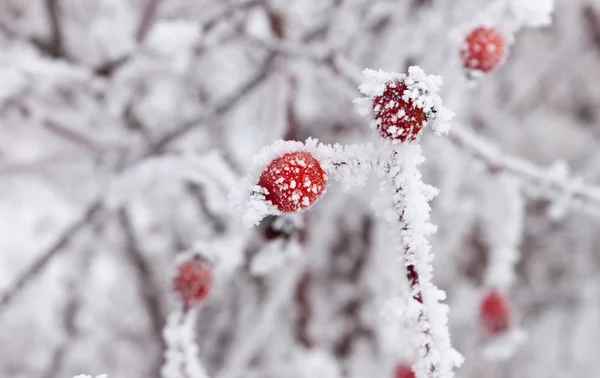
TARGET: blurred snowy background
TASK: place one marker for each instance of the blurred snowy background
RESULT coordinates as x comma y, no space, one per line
125,123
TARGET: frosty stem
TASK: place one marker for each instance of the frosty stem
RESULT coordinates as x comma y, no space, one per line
181,359
410,200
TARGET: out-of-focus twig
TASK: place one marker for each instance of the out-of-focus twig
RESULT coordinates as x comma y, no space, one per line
40,263
146,285
96,205
583,197
147,19
243,353
75,290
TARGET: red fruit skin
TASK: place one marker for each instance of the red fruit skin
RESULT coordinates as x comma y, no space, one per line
193,282
397,118
294,181
495,313
404,371
483,49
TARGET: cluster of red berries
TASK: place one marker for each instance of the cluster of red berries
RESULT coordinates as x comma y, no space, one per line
193,281
483,49
495,313
293,181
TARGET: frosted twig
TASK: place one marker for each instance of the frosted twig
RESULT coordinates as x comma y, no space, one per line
583,197
181,354
147,286
147,19
411,199
250,343
64,239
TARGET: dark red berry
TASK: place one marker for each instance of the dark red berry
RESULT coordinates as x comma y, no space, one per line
193,281
294,181
495,313
483,49
404,371
397,117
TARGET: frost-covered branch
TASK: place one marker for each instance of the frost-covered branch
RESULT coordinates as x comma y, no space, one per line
542,181
429,316
181,354
243,352
40,263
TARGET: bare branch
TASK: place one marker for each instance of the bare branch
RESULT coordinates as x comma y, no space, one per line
63,241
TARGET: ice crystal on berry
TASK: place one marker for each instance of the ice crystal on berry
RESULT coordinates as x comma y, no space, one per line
483,49
397,118
293,181
495,313
401,105
193,281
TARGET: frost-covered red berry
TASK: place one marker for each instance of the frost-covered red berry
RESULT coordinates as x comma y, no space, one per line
404,371
495,313
396,115
193,281
483,49
293,181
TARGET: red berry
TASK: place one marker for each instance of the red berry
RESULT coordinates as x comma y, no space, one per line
495,313
483,49
193,281
404,371
397,117
294,181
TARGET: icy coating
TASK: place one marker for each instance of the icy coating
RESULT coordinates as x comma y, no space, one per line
293,181
401,105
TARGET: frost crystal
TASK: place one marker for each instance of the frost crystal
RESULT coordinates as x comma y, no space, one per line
298,182
400,104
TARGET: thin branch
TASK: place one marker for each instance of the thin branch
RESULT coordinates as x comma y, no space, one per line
244,352
217,111
436,358
66,237
181,359
147,20
227,12
71,135
582,196
54,47
75,290
147,286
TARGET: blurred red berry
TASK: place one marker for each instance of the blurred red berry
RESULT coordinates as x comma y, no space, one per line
404,371
294,181
495,313
193,281
483,49
396,115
